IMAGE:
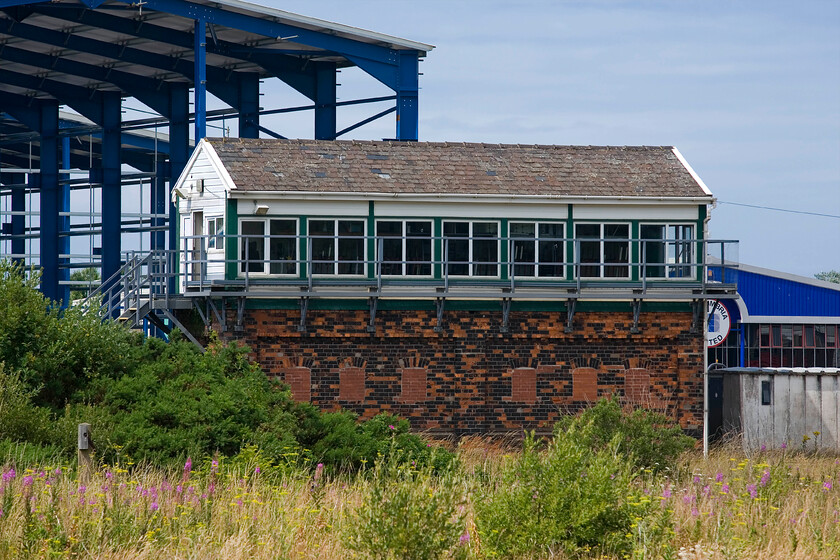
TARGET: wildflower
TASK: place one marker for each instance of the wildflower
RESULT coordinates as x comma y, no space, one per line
7,476
752,491
827,486
694,512
765,478
214,467
256,471
27,480
725,489
465,538
784,446
154,506
188,465
696,480
109,475
391,427
666,493
719,477
82,489
763,448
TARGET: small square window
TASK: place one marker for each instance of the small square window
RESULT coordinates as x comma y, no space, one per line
766,392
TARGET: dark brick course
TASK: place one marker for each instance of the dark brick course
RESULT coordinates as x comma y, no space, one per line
478,379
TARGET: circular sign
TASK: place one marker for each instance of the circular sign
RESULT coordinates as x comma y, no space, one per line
719,323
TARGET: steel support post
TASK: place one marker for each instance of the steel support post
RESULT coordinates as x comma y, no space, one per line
51,199
111,184
159,205
407,109
200,80
325,98
249,105
18,221
179,148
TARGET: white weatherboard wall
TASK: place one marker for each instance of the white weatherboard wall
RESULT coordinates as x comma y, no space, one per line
804,412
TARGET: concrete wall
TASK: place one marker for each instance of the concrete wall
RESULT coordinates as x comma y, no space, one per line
804,412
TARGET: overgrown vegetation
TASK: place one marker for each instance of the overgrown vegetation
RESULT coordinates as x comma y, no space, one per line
163,402
202,456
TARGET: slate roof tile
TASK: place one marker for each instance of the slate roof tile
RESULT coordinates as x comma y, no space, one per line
454,168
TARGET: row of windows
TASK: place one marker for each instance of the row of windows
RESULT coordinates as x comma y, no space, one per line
469,248
776,345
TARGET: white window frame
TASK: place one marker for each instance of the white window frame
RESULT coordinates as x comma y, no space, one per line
405,239
216,235
536,240
336,238
670,264
471,239
601,241
267,247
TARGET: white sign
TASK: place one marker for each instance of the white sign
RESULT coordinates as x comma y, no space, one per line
719,323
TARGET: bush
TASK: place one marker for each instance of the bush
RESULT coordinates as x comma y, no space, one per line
651,439
568,497
341,443
181,403
20,420
408,515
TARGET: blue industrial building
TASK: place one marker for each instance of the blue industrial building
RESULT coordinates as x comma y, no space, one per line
91,55
779,320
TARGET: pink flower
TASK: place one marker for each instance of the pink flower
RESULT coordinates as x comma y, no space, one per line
188,465
752,491
214,467
391,427
765,478
827,486
666,493
27,480
154,506
465,538
719,477
257,471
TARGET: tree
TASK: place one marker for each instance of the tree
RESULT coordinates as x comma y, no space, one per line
89,275
830,276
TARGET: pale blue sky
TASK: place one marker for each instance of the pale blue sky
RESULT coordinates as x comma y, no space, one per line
749,91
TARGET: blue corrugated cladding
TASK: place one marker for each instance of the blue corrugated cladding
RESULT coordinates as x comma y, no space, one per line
768,295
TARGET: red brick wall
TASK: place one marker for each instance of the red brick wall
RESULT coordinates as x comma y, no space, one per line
299,380
471,384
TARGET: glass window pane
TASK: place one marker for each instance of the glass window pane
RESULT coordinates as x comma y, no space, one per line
321,227
819,336
252,247
522,230
653,252
282,247
389,229
787,336
552,231
485,251
351,247
588,230
616,231
457,251
392,249
777,335
551,258
323,250
616,253
765,336
590,252
482,229
524,252
220,233
418,229
797,336
211,233
419,257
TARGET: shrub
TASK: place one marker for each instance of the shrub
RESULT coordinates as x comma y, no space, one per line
651,439
568,497
340,442
408,515
181,402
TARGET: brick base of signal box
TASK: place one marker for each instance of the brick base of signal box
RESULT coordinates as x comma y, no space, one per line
472,378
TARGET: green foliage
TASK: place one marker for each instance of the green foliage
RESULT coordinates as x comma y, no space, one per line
829,276
341,443
89,275
650,438
408,515
55,354
19,419
568,497
183,402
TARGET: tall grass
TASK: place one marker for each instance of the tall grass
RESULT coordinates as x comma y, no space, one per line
727,507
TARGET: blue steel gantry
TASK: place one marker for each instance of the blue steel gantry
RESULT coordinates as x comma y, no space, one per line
90,55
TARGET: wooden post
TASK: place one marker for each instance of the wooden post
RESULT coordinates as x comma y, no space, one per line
85,463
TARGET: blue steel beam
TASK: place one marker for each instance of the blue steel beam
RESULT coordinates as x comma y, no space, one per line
84,100
179,150
291,70
149,91
407,97
218,77
111,183
51,199
23,109
325,97
249,105
200,73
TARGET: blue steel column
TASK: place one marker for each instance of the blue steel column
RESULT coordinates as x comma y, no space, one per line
64,222
249,105
111,184
50,199
407,115
179,146
325,96
159,204
18,222
200,79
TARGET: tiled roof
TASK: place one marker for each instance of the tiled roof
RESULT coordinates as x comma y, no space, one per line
454,168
